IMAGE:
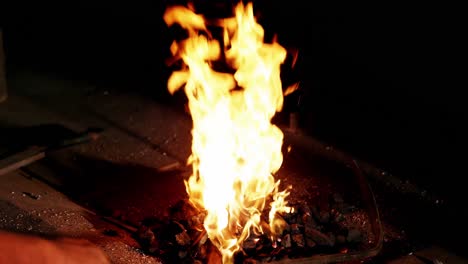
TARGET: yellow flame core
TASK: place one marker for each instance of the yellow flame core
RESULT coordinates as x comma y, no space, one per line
235,148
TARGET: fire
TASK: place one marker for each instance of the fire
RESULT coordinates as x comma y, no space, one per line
235,147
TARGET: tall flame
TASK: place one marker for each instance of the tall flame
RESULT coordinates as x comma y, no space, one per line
235,148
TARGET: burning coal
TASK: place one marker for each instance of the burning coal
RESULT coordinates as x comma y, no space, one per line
235,147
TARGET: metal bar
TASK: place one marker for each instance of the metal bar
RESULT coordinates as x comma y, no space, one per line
35,153
21,159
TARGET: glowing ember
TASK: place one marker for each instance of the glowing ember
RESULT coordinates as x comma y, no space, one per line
235,148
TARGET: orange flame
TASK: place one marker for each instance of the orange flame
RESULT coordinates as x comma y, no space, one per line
235,148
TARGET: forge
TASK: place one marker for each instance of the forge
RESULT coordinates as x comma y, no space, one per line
333,218
228,132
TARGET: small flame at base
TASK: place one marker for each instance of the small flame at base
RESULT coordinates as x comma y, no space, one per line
235,148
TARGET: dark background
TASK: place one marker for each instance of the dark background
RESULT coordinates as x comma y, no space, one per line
382,81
